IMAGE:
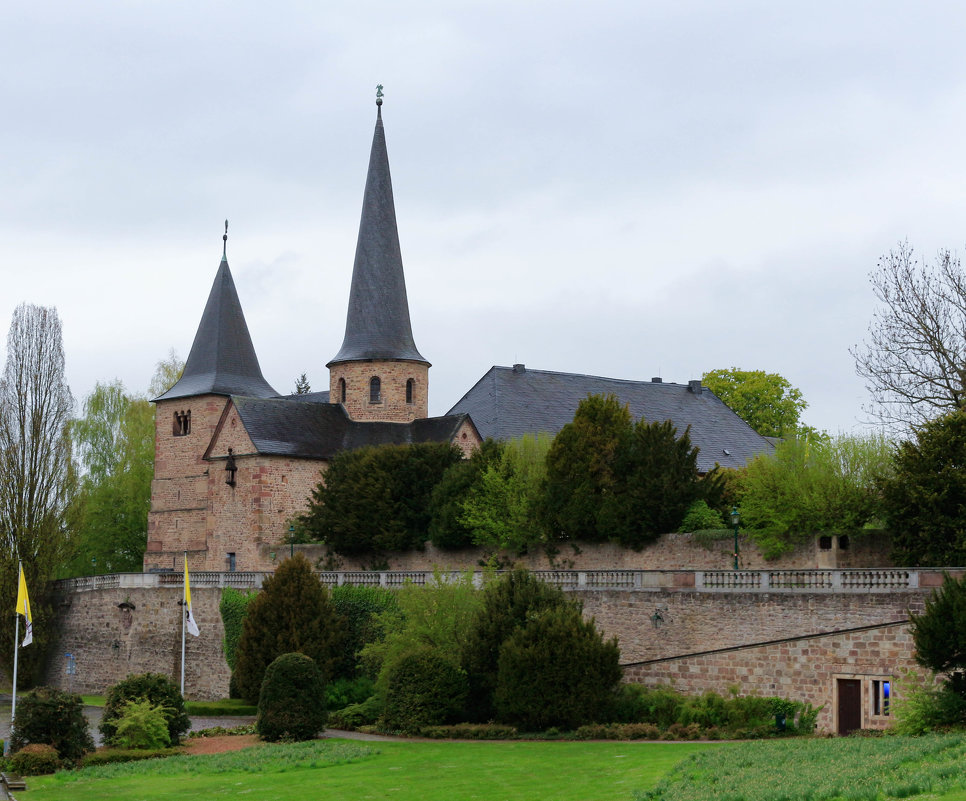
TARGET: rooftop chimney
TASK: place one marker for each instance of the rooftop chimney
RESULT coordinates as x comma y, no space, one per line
695,386
657,380
519,368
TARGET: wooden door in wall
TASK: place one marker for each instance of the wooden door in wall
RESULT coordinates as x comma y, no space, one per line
850,705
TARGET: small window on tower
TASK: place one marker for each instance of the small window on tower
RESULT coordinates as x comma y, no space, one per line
341,390
182,423
409,391
375,390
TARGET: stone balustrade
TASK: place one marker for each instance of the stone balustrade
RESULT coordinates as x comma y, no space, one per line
729,581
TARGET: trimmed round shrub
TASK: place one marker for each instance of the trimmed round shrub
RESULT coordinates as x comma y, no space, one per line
291,705
142,725
424,688
153,687
52,717
35,759
556,672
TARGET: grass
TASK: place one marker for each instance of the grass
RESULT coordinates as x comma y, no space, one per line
403,771
849,769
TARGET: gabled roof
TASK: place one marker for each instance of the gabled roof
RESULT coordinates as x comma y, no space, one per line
377,324
509,402
222,359
313,430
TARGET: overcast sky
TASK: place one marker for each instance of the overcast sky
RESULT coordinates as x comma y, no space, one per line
628,189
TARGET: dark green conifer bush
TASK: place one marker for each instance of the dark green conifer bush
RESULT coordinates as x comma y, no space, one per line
557,671
508,604
292,613
424,689
291,704
153,687
52,717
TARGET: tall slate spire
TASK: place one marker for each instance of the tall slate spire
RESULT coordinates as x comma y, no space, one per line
377,324
222,359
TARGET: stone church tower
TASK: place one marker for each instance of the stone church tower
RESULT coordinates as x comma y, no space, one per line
221,363
378,374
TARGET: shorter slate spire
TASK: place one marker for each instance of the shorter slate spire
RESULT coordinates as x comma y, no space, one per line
222,359
377,324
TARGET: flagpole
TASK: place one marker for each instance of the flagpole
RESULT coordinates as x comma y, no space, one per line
16,650
184,612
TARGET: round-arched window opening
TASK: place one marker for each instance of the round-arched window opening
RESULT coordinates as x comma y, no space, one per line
341,390
409,391
375,390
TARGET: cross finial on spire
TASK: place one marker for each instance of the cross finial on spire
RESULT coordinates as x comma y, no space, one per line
379,94
224,239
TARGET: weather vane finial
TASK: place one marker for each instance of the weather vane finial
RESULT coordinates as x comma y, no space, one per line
379,94
224,239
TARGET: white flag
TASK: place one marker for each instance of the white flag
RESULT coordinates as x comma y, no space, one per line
189,620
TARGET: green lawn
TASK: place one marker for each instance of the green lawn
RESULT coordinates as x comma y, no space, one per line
849,769
403,771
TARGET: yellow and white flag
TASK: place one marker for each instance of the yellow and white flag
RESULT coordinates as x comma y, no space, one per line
23,608
189,618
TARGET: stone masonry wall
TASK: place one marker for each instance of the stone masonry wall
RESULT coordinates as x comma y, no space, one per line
804,669
392,377
110,641
113,632
653,625
179,491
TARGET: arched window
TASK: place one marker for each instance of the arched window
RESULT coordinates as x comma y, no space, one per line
375,390
409,391
341,390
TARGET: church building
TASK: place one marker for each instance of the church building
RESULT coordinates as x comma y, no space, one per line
235,461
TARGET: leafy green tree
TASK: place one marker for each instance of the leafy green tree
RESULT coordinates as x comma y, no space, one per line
376,499
37,476
506,605
292,613
583,467
503,509
446,529
658,481
437,616
115,442
557,670
765,401
813,485
925,497
166,374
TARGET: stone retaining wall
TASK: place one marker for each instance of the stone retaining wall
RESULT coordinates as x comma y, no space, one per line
805,668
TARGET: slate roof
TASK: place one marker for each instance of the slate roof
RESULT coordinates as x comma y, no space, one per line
509,402
222,359
314,430
377,323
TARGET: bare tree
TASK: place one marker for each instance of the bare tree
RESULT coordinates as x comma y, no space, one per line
914,361
36,469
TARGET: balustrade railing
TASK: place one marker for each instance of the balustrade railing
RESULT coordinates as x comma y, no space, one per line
841,581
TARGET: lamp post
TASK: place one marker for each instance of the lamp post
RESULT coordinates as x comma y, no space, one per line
734,521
